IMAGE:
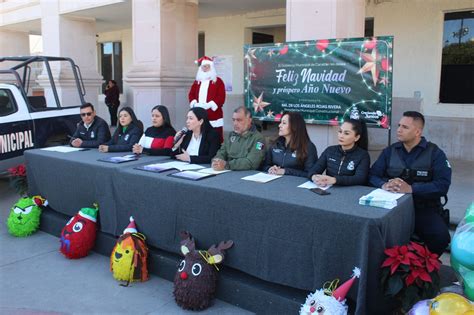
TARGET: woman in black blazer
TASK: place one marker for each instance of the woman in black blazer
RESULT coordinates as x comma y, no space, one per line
200,143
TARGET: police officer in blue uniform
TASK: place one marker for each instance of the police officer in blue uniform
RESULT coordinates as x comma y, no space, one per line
414,165
92,131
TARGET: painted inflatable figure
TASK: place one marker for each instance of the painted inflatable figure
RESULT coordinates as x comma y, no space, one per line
78,236
128,261
329,300
462,252
24,217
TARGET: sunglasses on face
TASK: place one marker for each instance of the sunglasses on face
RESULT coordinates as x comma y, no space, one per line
86,114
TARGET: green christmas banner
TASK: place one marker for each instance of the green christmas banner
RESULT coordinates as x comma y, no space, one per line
325,80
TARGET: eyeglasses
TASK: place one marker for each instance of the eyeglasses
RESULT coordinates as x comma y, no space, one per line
86,114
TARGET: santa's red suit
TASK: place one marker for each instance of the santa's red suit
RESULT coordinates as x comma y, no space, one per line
210,95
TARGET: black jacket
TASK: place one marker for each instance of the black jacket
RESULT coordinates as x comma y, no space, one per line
124,141
281,156
97,134
210,143
348,167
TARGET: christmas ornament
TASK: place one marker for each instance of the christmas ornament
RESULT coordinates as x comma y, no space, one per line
24,217
128,261
370,65
329,300
384,121
284,50
370,44
196,280
259,104
278,117
78,236
334,121
322,44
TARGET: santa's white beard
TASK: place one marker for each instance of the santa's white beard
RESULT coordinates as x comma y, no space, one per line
209,75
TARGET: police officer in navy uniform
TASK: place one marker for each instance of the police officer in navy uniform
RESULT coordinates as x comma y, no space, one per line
92,131
416,166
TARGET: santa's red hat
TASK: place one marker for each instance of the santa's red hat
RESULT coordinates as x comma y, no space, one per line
131,228
204,60
341,292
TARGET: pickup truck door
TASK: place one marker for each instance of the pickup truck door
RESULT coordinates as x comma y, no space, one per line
16,126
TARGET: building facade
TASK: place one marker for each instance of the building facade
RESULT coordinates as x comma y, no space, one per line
149,46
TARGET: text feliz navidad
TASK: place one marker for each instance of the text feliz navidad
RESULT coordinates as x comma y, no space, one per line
310,79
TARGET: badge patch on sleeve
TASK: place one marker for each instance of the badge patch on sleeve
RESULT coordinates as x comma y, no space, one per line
447,163
259,146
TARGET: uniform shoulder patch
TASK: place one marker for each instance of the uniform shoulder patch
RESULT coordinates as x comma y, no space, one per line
447,164
259,146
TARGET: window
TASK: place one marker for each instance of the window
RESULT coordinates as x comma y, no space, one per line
457,69
369,27
201,45
111,63
261,38
7,105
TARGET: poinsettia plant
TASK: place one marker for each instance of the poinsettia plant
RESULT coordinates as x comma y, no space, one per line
18,179
410,274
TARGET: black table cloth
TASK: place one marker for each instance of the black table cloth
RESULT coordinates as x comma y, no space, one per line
281,233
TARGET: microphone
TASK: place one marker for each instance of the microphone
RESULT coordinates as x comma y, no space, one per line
180,134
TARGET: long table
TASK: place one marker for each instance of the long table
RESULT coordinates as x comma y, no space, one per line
281,233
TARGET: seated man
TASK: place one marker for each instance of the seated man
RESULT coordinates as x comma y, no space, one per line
416,166
91,131
242,148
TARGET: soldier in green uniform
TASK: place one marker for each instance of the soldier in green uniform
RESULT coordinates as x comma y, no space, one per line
243,148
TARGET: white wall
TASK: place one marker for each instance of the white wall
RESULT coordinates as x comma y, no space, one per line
227,36
417,27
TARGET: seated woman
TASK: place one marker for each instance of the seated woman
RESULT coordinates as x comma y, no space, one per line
128,132
200,143
348,163
293,152
158,139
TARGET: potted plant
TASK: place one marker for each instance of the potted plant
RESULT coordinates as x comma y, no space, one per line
410,274
18,179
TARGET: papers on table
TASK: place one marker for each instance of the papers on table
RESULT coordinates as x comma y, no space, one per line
191,175
309,185
210,170
261,177
62,149
175,165
120,159
380,198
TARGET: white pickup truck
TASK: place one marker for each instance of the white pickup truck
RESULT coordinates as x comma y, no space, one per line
33,121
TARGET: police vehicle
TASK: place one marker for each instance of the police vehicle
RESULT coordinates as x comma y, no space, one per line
31,114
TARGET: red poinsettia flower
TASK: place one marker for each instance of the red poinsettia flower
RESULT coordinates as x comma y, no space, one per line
430,259
19,170
398,255
417,272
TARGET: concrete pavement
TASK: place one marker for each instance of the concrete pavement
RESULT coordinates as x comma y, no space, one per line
36,279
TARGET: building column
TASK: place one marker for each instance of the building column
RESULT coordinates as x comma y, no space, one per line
73,37
12,43
164,49
324,19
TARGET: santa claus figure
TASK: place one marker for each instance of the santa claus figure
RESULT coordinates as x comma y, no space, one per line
208,92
